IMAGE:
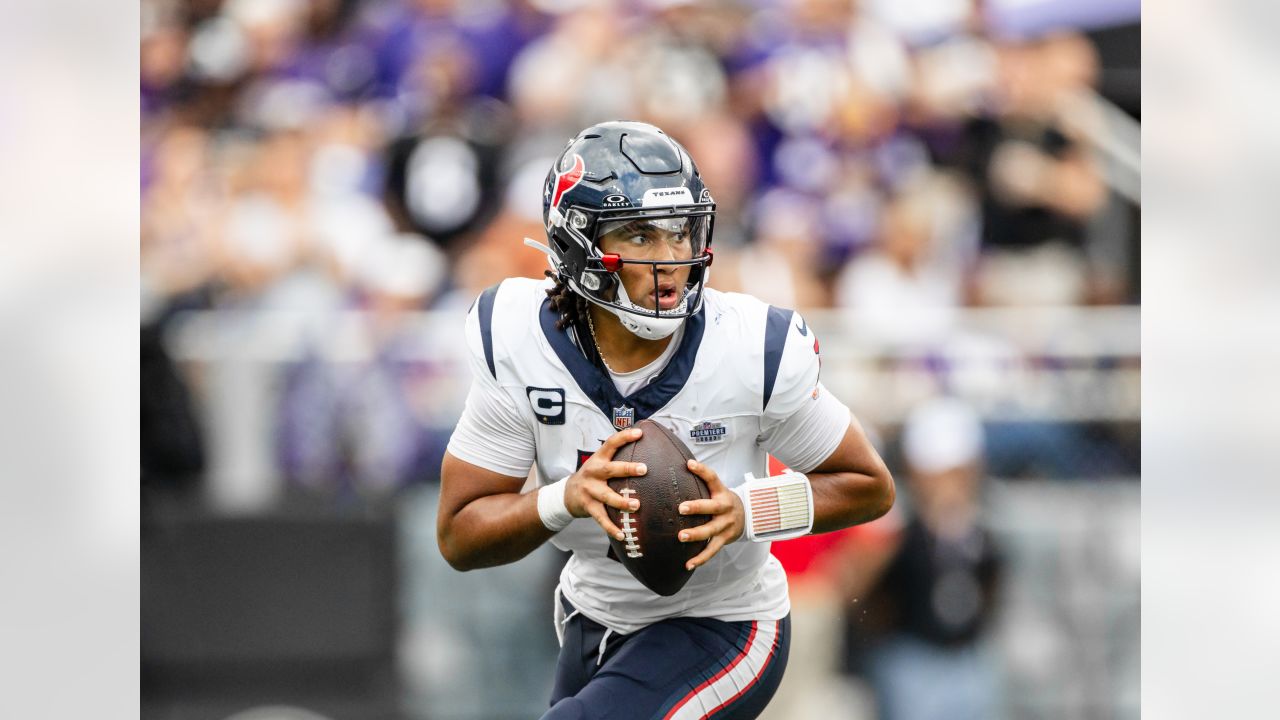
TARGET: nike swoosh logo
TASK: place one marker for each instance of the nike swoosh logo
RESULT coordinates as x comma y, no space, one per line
803,327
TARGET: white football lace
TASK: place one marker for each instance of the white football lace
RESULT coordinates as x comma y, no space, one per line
628,528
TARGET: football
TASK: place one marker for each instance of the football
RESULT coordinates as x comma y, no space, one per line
652,551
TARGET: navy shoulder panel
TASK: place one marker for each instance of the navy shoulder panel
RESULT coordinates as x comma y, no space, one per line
775,339
486,325
596,383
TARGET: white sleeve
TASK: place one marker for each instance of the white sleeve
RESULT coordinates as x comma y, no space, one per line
803,423
490,434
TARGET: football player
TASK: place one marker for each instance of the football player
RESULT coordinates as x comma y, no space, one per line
625,328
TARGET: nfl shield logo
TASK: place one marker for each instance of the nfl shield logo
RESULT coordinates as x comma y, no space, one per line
623,416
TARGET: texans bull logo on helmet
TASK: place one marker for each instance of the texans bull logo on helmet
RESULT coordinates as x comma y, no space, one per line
567,180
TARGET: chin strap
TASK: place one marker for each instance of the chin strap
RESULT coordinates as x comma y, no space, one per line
644,325
778,507
649,328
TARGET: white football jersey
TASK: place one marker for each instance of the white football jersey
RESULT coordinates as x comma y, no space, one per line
742,383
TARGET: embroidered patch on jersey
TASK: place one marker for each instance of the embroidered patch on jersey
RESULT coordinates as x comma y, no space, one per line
707,432
583,456
623,417
548,404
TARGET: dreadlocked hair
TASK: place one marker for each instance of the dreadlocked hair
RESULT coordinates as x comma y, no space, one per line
569,305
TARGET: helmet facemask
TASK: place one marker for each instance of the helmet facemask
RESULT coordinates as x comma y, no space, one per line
620,172
600,281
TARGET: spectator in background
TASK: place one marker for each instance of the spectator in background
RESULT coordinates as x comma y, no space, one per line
904,290
954,78
823,572
935,599
267,221
726,158
1039,182
576,73
181,214
780,266
161,62
490,259
363,425
183,209
342,175
173,449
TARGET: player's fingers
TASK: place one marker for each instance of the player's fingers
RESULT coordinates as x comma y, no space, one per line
707,530
705,507
602,493
709,552
617,440
597,512
708,476
617,468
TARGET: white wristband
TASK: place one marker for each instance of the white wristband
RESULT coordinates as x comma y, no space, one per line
551,508
778,507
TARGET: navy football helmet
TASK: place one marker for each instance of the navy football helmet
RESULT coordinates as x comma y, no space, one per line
617,173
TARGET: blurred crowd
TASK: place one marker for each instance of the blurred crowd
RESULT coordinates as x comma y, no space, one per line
388,155
896,161
395,148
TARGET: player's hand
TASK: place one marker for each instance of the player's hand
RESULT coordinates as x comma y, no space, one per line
588,491
728,518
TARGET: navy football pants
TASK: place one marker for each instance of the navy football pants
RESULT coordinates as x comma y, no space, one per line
678,669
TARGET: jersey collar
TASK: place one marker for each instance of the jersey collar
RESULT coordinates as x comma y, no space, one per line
597,384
